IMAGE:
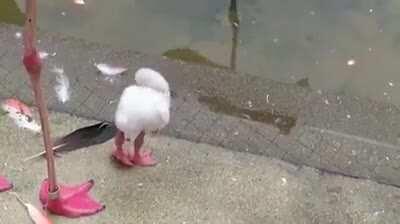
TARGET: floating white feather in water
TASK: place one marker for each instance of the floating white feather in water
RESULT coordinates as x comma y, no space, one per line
110,70
35,214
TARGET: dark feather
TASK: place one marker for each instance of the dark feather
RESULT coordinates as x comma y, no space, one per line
86,136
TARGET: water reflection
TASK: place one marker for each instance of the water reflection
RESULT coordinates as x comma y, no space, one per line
235,23
289,41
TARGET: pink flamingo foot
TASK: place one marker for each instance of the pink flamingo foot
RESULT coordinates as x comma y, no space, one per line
72,201
5,184
122,157
144,158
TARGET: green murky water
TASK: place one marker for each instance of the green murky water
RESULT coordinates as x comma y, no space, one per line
344,45
10,13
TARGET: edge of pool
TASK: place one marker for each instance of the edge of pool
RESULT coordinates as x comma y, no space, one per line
350,135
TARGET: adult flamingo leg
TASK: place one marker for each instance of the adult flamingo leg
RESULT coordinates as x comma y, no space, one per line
59,199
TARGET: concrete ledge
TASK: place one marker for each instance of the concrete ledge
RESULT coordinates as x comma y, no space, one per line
193,183
333,132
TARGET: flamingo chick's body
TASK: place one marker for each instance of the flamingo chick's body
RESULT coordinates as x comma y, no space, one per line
142,108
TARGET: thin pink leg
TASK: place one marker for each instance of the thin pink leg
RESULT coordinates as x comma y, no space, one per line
69,201
142,157
119,154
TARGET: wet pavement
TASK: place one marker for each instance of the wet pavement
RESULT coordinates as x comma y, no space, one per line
193,183
333,132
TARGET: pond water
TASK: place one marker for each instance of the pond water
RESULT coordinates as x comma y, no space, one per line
348,46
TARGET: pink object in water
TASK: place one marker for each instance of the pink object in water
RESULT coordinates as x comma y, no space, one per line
5,184
72,201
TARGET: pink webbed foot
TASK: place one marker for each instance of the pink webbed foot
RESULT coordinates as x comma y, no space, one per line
5,184
72,202
122,157
144,158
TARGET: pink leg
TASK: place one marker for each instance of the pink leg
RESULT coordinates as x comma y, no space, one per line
142,157
62,200
118,153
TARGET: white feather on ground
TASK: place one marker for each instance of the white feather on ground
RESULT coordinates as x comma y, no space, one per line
110,70
43,54
144,106
62,86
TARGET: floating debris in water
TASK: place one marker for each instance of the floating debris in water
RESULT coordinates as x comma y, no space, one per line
236,133
370,49
348,116
319,92
140,184
54,54
249,104
371,10
110,70
391,84
351,62
326,101
267,98
62,87
63,13
385,93
79,2
18,35
21,114
234,179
